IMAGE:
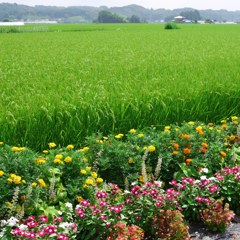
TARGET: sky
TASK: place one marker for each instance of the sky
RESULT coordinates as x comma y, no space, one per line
231,5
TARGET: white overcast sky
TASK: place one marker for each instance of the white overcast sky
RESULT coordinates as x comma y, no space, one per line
155,4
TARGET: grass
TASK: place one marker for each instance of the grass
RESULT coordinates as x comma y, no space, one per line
72,80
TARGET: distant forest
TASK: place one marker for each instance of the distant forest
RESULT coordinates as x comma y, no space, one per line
86,14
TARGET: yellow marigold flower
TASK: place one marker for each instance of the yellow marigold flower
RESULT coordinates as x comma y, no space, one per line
140,178
68,159
100,141
210,124
45,151
130,160
22,149
42,161
224,126
23,181
59,156
223,154
10,180
1,143
140,135
85,149
234,118
120,135
88,169
204,144
17,180
105,138
175,152
132,130
85,159
52,145
9,204
13,175
85,185
58,161
167,128
82,171
42,183
15,149
151,148
34,184
1,173
211,128
188,161
191,123
89,181
79,198
219,131
223,121
70,147
99,180
94,174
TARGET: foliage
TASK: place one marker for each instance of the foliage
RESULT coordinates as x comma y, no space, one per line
108,17
171,25
216,216
191,15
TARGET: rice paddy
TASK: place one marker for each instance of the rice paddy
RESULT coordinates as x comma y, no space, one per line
69,81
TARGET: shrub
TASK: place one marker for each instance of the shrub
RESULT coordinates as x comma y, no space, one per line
171,25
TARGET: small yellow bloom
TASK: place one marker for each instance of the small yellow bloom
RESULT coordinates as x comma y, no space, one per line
132,130
1,173
235,122
15,149
70,147
58,161
23,181
79,198
223,121
130,160
17,180
59,156
94,174
223,154
191,123
85,159
89,181
1,143
100,141
68,159
85,185
82,171
42,183
34,184
120,135
140,178
22,149
52,145
99,180
234,118
211,128
140,135
85,149
105,138
151,148
45,151
167,128
9,204
10,180
88,169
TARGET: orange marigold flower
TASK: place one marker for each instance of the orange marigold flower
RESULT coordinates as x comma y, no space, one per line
186,151
224,126
210,124
176,146
223,154
175,153
232,138
200,169
235,122
186,136
203,150
188,161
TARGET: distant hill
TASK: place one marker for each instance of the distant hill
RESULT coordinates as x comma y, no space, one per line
86,14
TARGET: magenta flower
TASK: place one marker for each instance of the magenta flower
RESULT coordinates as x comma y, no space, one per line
43,218
62,237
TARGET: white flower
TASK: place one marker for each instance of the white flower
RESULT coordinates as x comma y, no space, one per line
159,183
126,191
197,181
3,223
12,221
203,177
65,225
23,227
69,206
205,170
212,178
133,183
60,213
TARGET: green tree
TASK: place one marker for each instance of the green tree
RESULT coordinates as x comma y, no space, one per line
191,15
108,17
134,19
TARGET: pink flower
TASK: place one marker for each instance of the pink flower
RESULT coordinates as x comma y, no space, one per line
199,199
103,217
58,219
84,203
31,235
213,188
41,233
43,218
62,237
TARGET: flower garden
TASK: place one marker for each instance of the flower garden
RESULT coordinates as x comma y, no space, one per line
143,184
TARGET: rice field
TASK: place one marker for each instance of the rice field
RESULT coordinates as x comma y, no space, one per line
69,81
